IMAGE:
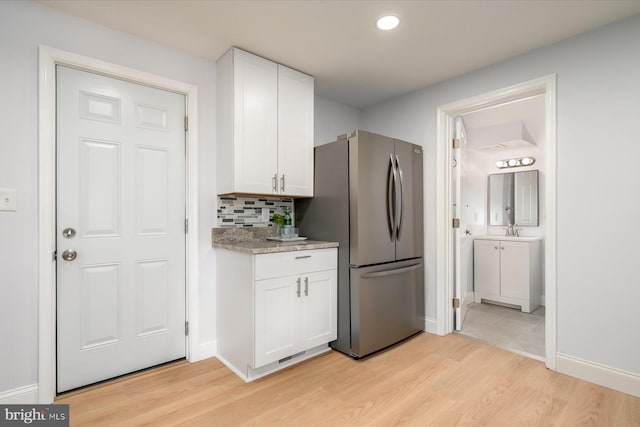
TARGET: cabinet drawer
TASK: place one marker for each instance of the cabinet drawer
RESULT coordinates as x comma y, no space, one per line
292,263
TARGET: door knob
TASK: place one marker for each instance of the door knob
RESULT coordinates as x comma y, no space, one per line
68,233
69,255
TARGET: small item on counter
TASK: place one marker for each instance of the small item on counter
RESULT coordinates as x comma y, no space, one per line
287,231
277,220
287,217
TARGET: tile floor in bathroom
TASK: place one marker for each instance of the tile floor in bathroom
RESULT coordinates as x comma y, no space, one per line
507,328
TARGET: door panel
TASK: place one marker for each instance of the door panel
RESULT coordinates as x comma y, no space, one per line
410,238
255,129
320,304
514,269
121,187
387,305
99,179
295,132
486,267
276,323
101,301
371,238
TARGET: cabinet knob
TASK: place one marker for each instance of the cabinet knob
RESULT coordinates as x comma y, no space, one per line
495,247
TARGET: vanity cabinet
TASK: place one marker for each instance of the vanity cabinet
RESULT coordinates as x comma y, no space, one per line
264,127
508,272
275,309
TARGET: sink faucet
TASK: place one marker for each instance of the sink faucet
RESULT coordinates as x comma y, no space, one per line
511,230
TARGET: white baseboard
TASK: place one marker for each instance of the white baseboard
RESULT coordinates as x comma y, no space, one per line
605,376
204,351
430,325
21,395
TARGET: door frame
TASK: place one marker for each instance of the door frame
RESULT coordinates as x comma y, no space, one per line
444,256
48,59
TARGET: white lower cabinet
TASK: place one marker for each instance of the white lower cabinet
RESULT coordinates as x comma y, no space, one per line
292,314
508,272
275,309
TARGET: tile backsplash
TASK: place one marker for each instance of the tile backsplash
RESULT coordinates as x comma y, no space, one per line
240,211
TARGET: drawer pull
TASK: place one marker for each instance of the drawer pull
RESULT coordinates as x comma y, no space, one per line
303,256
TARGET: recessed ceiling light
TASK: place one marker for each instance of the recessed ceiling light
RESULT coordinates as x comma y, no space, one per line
388,22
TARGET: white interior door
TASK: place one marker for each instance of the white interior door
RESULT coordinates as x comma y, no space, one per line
456,171
120,227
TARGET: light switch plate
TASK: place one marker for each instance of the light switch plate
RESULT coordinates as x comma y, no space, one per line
7,199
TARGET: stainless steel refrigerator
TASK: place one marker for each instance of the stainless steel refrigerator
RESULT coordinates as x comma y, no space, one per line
368,197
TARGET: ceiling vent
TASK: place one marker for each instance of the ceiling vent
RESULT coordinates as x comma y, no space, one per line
499,137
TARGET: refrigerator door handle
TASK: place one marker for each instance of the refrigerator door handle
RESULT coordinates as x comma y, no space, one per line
400,211
391,185
390,272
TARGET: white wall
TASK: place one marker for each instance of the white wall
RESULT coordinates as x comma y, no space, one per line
23,26
597,180
333,119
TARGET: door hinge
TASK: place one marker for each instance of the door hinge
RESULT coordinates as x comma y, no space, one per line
455,143
456,303
455,223
186,226
186,123
55,255
186,328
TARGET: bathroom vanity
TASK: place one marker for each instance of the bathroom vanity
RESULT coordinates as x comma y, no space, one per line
508,270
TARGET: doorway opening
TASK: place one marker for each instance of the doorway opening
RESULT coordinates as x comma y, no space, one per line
499,245
496,194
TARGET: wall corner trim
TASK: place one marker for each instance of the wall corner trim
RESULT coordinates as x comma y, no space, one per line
431,325
616,379
206,350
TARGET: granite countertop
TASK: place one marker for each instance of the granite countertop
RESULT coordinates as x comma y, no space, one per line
254,241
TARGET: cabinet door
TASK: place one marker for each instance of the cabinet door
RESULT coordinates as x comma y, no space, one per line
486,267
295,132
319,305
276,322
255,151
514,269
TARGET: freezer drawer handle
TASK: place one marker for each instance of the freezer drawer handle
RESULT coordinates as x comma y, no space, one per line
390,272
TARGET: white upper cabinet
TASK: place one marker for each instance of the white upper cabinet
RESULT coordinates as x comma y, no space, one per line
264,127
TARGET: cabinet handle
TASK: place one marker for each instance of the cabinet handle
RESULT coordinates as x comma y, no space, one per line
282,183
306,286
502,247
303,256
298,291
274,182
495,247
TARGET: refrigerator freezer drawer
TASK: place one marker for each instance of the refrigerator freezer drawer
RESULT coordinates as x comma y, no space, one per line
387,305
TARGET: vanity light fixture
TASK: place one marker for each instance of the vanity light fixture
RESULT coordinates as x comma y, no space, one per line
514,163
388,22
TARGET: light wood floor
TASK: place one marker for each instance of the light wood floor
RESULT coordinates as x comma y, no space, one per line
428,380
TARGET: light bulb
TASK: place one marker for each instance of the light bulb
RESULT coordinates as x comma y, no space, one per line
388,22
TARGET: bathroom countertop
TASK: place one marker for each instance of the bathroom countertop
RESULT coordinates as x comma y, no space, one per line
254,241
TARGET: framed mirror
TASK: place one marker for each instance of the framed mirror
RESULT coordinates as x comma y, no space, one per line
513,198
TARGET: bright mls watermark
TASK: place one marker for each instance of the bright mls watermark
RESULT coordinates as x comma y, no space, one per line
36,415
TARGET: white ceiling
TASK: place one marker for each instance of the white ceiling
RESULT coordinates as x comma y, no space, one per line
337,42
